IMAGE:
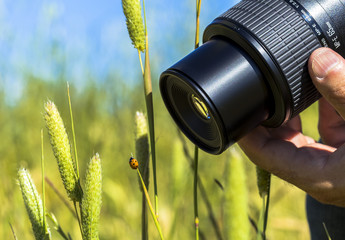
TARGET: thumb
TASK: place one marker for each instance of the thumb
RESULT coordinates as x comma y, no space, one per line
327,70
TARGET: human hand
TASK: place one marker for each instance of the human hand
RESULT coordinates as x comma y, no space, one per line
318,169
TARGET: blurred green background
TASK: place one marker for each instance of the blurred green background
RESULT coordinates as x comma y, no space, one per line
44,44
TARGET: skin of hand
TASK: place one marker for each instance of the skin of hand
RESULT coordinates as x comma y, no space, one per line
318,169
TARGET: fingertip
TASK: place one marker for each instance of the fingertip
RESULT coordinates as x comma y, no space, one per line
322,62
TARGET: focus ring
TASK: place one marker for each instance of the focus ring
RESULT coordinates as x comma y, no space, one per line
287,37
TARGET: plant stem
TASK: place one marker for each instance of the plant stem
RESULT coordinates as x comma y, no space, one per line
14,234
60,196
197,32
150,112
150,206
196,150
327,233
262,224
203,192
73,133
196,217
266,209
79,221
141,63
58,227
43,185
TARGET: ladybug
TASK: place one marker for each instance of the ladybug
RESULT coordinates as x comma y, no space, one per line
133,163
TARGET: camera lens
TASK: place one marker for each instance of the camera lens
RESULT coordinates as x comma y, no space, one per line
251,69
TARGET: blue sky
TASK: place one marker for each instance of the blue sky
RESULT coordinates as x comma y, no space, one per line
91,37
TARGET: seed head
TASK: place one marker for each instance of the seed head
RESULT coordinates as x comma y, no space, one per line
33,204
62,151
134,21
92,199
263,181
142,147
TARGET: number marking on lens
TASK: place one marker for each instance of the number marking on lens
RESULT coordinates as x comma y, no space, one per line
200,107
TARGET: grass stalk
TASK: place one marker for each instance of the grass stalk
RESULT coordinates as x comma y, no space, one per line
59,194
196,150
264,187
326,230
73,133
43,187
196,215
197,27
150,116
150,206
58,227
150,112
78,218
75,156
13,233
202,189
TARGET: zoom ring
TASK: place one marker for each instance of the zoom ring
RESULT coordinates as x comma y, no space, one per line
287,37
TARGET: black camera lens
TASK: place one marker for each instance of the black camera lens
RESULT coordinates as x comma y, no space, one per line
251,69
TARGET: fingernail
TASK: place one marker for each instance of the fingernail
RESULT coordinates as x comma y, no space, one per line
325,61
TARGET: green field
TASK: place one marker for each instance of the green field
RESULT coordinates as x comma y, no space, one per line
104,123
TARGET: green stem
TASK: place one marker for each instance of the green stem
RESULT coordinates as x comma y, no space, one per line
150,113
79,221
196,150
73,133
13,233
196,218
203,193
262,224
58,227
266,209
150,206
43,188
197,32
327,233
57,192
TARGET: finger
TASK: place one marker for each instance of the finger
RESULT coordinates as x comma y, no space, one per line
331,124
296,164
327,70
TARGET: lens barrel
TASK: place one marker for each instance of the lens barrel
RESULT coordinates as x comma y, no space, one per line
251,69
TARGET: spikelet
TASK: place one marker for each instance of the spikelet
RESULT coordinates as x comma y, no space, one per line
134,21
33,204
92,199
236,199
62,151
142,147
263,181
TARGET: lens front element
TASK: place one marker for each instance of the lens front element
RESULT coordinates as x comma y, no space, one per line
200,107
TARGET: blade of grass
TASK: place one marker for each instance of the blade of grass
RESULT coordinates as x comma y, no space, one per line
203,192
58,227
327,233
196,215
57,192
43,187
73,132
150,206
196,150
13,233
146,70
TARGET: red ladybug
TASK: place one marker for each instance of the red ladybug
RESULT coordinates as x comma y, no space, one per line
133,163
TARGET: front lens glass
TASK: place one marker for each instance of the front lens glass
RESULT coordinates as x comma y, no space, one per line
200,107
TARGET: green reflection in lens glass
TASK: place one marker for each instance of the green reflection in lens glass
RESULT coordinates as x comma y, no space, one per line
200,107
